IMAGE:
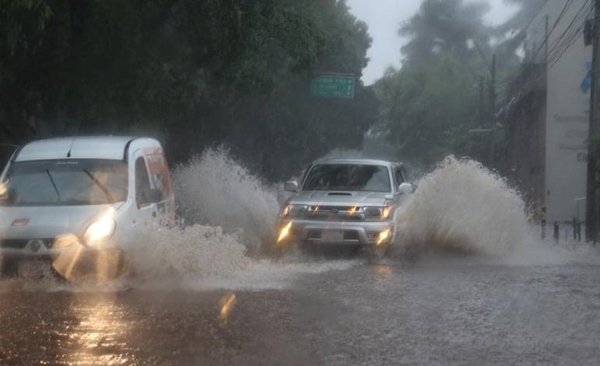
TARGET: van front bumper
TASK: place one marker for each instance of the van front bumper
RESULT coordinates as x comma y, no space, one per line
366,233
71,259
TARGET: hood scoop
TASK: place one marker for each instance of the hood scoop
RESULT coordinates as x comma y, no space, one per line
339,194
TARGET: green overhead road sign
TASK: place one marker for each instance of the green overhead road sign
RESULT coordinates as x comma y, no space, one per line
333,86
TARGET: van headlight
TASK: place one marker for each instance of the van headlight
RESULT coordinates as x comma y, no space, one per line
100,230
294,210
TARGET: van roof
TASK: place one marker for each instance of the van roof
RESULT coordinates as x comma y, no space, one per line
82,147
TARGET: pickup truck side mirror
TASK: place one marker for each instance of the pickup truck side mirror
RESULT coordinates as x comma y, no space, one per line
291,186
405,188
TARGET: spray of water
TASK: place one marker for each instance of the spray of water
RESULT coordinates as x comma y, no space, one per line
233,213
205,258
198,251
462,205
214,190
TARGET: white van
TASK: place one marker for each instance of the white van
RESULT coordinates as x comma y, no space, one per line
63,200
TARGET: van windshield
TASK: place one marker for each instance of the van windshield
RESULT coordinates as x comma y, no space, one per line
348,177
65,183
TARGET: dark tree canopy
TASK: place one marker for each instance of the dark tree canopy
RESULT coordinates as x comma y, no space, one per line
193,73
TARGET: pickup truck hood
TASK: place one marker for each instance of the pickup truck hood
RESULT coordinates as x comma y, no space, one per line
338,198
47,222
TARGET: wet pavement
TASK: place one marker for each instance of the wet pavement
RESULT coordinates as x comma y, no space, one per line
437,311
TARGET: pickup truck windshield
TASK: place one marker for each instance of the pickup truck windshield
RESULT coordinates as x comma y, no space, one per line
65,183
348,177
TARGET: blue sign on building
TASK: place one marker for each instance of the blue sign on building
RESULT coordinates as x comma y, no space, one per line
586,84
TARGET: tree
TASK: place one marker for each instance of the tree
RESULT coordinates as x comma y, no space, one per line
512,32
425,109
194,73
445,26
514,27
428,106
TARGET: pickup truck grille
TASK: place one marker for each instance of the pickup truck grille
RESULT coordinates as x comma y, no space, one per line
335,213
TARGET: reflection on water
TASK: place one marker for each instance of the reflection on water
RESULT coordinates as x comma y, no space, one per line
80,264
65,328
99,337
227,303
383,270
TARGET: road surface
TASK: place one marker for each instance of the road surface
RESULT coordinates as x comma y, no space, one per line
436,311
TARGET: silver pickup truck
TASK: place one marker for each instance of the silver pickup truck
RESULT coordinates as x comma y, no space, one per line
344,201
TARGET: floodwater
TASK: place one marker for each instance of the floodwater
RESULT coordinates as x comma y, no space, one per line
437,311
466,284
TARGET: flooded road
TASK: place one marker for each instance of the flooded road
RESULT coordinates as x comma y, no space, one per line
203,296
436,311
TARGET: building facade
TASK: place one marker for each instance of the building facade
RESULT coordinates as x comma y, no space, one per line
549,112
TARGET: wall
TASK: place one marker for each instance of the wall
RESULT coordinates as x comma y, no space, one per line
567,108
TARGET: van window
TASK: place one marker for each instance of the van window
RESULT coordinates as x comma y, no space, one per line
159,172
66,183
142,183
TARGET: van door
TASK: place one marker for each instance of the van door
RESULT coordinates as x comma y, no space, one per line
146,208
160,182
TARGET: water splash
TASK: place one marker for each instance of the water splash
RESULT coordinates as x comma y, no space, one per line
463,206
205,258
198,251
214,190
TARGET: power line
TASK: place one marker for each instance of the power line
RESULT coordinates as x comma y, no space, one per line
555,45
563,43
570,40
567,47
533,18
560,16
561,40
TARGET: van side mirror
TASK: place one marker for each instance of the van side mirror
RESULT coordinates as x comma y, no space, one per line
154,195
405,188
291,186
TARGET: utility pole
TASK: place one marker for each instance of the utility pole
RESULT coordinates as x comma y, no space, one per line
492,110
482,112
547,41
492,106
591,214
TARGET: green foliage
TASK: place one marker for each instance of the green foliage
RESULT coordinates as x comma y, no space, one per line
448,26
424,107
431,105
18,19
193,73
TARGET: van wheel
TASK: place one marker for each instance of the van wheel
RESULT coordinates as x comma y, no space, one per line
8,267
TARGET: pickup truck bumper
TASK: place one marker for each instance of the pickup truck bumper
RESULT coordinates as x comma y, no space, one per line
367,233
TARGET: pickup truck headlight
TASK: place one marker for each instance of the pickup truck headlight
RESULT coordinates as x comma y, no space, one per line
375,212
294,210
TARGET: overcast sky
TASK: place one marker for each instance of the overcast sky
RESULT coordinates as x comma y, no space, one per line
384,18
